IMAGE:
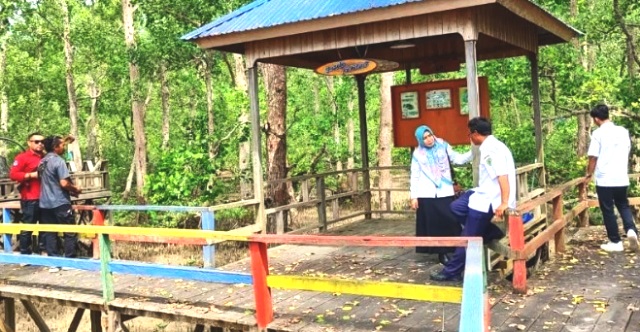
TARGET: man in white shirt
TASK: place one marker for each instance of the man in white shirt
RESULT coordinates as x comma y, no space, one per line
609,158
495,193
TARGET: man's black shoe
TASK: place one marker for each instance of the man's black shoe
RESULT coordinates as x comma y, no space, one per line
439,276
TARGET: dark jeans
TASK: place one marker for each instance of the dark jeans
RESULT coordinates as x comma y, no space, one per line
61,215
608,197
30,215
475,223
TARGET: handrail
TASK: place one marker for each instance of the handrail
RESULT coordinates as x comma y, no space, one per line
473,295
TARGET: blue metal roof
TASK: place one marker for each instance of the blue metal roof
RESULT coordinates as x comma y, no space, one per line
269,13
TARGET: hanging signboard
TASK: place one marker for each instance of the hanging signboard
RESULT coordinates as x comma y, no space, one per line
441,105
347,67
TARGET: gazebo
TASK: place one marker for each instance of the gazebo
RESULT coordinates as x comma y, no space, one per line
434,34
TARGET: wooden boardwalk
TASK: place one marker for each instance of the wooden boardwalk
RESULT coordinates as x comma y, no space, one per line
582,290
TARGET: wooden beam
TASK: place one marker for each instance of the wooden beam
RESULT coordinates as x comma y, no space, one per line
4,327
364,143
75,322
353,19
35,315
536,15
256,146
96,320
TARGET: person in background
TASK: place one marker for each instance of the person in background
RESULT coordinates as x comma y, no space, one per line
609,161
24,171
55,196
432,189
495,193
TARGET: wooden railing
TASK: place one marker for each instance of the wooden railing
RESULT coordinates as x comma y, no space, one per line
93,179
472,295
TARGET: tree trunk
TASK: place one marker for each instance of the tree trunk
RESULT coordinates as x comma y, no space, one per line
276,85
384,140
4,100
583,134
351,135
241,75
334,112
93,148
164,91
140,155
71,89
208,67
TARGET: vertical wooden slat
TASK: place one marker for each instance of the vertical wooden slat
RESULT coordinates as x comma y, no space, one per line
335,209
114,321
280,226
106,276
322,204
516,242
208,251
261,292
388,200
305,190
473,289
6,219
98,220
558,203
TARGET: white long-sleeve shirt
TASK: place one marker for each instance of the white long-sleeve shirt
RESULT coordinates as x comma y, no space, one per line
422,187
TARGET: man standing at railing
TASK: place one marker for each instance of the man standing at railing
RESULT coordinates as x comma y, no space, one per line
55,196
495,193
24,171
609,158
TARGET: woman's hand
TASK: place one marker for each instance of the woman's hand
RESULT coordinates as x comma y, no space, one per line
414,203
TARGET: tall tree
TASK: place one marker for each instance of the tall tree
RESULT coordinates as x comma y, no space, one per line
384,139
276,86
71,88
137,107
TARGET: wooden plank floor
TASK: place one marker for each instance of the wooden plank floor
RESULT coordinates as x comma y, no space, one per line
581,290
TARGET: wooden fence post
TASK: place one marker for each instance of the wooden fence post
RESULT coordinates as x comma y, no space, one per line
583,217
322,204
261,292
98,220
108,293
209,250
558,203
516,242
6,219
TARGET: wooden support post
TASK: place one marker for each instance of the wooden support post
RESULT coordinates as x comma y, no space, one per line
96,321
75,322
364,144
473,96
10,313
537,112
4,327
516,242
256,159
6,219
35,315
558,207
114,323
108,293
261,291
98,220
322,204
209,250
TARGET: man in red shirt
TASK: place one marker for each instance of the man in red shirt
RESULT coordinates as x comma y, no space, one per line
24,171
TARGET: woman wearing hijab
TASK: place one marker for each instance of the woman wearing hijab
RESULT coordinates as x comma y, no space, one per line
432,189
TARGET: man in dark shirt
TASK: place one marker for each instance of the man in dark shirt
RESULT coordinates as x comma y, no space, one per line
24,171
55,196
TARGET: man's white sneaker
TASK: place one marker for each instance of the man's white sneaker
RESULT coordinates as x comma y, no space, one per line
612,246
633,239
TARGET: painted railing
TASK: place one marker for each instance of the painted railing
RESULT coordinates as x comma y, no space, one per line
556,221
472,295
